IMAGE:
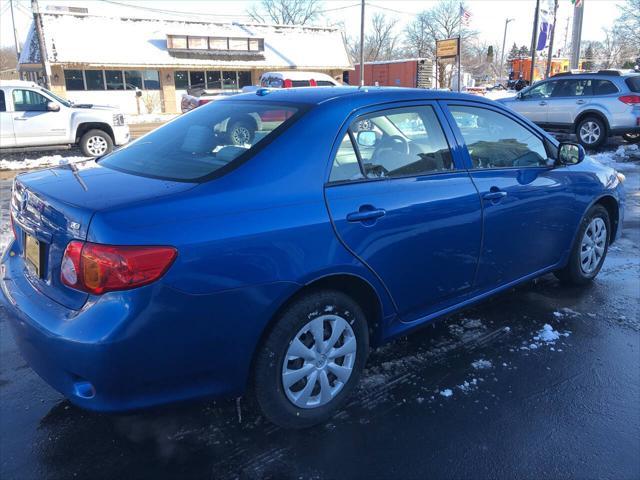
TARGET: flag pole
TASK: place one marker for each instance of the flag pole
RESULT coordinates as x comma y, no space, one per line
533,42
553,34
459,43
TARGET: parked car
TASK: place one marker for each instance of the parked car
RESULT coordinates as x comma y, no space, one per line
185,265
294,78
594,106
33,118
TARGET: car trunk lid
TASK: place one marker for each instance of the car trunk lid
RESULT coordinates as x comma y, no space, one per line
52,207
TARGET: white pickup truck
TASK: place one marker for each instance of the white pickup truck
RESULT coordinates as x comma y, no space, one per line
33,118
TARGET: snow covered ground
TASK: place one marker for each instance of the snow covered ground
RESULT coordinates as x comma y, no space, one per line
34,162
150,118
496,94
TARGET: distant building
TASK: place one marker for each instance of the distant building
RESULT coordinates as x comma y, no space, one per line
102,60
522,66
406,72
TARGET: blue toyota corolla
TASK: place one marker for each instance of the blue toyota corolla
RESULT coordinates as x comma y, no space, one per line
267,241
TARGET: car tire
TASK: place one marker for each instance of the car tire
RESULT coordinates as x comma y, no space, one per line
590,248
96,143
242,132
591,132
631,137
292,403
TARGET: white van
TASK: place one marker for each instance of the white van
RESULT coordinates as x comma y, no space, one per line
290,79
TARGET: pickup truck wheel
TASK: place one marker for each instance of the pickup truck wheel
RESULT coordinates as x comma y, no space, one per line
241,132
591,132
96,143
631,137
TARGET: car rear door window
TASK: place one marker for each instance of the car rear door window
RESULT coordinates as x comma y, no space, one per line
401,142
29,101
604,87
496,141
572,88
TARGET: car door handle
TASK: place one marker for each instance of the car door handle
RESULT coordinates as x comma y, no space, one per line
497,195
542,103
364,215
580,102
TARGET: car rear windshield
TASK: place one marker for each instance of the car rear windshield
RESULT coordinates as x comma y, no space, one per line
634,83
205,142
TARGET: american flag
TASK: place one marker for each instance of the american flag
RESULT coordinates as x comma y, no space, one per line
465,15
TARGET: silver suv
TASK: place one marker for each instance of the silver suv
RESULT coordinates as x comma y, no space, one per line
594,106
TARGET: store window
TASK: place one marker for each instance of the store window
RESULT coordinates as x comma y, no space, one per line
244,79
151,79
219,44
238,44
177,41
181,80
214,80
198,43
95,79
229,80
133,79
196,79
114,79
73,80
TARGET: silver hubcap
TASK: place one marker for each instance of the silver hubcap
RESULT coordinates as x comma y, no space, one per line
594,242
97,146
590,132
240,135
319,361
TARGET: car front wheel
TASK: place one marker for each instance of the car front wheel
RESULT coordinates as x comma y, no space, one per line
311,359
96,143
631,137
590,248
591,132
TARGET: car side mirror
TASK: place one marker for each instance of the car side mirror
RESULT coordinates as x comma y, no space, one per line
366,138
570,154
519,95
53,107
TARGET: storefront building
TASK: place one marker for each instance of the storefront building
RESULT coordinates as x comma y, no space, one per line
145,65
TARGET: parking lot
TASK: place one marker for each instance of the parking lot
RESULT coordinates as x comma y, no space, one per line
541,381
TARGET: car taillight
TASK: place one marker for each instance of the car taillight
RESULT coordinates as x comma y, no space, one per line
97,269
630,99
287,83
313,83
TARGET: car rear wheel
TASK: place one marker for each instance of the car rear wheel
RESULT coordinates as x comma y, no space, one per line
241,132
631,137
590,248
591,132
311,359
96,143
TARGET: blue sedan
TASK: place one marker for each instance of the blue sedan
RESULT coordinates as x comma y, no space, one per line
265,242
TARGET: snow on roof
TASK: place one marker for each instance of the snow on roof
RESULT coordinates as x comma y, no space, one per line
89,40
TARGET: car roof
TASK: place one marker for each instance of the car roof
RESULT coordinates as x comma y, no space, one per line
297,75
608,76
364,95
18,83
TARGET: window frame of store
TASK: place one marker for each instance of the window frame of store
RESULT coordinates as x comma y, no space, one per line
104,80
221,79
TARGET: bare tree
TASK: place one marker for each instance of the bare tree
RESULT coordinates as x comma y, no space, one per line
8,60
285,12
381,43
628,23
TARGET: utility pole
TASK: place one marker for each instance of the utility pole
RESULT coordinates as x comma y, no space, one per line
533,42
37,21
576,34
504,41
362,43
15,35
553,34
566,36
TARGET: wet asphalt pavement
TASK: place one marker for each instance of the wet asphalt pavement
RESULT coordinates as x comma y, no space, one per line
532,409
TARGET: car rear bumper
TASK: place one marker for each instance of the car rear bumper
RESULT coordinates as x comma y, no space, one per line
148,346
121,135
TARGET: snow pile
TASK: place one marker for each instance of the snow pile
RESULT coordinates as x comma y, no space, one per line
495,94
565,312
482,364
547,334
40,162
447,392
623,159
150,118
468,386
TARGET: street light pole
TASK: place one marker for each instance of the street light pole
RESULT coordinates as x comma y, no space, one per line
504,41
362,44
553,34
533,42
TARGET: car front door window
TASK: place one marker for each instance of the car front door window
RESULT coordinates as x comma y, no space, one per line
29,101
403,142
496,141
538,92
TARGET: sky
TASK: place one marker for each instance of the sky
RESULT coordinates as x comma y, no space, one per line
488,16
